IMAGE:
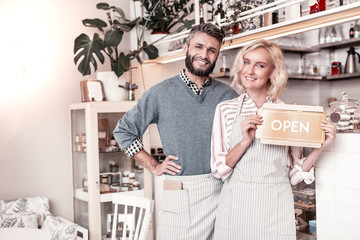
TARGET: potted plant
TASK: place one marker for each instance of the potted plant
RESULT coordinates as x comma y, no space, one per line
161,16
89,51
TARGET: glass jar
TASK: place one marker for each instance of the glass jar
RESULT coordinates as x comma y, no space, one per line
114,168
345,114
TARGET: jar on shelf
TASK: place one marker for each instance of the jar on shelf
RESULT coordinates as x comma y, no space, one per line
80,138
114,168
116,187
345,114
312,68
136,185
84,183
131,177
104,178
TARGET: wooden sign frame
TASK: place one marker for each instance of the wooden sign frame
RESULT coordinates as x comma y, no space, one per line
291,125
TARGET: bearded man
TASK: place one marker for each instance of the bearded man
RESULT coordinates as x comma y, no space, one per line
183,108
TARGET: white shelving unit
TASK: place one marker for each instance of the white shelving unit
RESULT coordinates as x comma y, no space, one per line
91,207
80,194
318,20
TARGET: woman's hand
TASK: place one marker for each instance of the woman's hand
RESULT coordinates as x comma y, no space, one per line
249,126
330,132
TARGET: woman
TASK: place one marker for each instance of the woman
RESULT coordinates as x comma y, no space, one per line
256,200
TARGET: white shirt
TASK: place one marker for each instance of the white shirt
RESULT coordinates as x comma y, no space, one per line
220,142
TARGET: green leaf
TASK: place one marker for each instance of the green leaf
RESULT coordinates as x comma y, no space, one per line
87,49
113,37
125,27
122,66
97,23
103,6
120,12
151,50
125,61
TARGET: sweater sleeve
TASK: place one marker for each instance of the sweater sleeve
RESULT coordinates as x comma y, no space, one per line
132,126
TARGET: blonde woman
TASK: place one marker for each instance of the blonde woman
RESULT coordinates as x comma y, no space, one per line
256,201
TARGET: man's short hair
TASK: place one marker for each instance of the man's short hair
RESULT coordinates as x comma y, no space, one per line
208,28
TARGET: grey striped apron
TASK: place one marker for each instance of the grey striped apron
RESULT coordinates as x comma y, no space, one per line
256,201
189,214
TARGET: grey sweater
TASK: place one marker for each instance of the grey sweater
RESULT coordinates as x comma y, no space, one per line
184,121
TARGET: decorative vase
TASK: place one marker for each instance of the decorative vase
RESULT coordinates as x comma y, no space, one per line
131,95
111,84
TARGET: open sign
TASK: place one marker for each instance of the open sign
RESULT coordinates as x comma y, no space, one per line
291,125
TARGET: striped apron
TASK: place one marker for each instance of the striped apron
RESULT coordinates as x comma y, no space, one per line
189,214
256,201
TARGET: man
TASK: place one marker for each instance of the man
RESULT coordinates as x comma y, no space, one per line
183,108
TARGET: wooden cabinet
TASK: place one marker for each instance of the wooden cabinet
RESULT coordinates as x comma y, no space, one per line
92,124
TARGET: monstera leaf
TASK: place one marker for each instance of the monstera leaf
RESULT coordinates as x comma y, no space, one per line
86,49
96,23
122,65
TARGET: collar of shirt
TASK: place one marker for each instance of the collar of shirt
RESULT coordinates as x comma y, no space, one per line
192,85
251,104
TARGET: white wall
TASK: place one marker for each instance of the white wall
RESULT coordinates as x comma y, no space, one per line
338,190
38,82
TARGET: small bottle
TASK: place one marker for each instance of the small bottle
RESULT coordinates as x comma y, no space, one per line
357,29
225,64
201,13
219,13
317,6
351,31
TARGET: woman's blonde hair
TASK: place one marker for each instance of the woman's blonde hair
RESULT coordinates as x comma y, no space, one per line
278,77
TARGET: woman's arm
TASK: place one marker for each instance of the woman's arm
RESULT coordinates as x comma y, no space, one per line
248,128
330,135
301,168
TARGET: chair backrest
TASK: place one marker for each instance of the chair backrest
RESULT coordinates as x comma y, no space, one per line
135,217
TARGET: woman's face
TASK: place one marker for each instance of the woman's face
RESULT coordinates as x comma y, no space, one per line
256,70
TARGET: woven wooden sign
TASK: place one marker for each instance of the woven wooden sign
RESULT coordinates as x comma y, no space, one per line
291,125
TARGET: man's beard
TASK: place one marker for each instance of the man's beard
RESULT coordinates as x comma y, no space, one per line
198,72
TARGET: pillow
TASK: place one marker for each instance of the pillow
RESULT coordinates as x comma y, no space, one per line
18,220
60,230
37,205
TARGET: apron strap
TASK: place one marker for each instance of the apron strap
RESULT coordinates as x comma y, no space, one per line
233,136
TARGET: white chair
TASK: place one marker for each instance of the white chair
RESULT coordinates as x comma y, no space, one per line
135,217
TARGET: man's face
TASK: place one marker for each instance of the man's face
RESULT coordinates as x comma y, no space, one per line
201,54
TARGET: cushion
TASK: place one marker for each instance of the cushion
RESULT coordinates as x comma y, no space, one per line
18,220
36,205
60,229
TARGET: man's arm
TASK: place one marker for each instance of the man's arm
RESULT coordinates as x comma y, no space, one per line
167,166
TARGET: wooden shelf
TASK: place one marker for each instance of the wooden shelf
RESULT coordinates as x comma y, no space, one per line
307,207
342,44
299,49
343,76
105,197
307,77
325,78
220,75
